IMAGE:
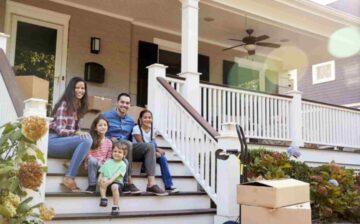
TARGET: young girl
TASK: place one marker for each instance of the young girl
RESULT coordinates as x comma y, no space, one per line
100,150
111,178
143,132
65,138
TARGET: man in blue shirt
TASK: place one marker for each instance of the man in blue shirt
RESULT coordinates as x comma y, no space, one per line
120,127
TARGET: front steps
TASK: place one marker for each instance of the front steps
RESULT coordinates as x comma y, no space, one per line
187,206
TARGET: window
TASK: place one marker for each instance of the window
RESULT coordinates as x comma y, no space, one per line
323,72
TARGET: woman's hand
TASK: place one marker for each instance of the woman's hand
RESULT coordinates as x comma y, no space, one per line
82,134
159,152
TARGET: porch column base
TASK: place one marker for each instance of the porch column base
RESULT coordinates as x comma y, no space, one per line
296,119
191,89
3,41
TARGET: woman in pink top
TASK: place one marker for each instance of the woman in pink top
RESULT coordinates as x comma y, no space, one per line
100,150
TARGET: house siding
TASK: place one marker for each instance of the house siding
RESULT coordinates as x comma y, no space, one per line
119,48
345,89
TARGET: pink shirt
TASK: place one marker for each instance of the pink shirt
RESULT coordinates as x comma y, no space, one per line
102,153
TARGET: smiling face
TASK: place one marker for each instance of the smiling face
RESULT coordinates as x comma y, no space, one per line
79,90
101,127
146,119
117,154
123,105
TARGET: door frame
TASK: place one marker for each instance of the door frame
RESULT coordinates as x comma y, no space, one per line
20,12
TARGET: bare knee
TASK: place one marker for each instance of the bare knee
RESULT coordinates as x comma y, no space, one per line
114,188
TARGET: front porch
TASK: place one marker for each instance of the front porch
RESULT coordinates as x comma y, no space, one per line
259,91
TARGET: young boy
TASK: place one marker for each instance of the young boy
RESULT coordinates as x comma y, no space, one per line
111,178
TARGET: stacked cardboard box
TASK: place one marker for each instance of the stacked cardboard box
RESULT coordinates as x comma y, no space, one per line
275,202
98,103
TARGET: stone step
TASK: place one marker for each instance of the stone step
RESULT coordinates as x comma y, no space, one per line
177,168
65,203
183,183
198,216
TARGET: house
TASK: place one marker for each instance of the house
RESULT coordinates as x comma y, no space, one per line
131,39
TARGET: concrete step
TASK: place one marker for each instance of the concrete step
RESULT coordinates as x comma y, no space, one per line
183,183
177,168
198,216
65,203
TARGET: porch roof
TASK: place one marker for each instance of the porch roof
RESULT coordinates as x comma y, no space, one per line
299,23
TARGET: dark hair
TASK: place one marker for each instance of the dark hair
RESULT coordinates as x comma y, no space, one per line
119,145
70,99
94,134
123,94
140,116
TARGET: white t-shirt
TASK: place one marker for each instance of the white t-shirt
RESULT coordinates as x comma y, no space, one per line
146,135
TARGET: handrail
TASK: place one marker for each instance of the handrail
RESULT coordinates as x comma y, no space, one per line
190,136
189,108
11,84
330,105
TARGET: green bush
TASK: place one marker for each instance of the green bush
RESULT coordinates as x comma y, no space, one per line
334,190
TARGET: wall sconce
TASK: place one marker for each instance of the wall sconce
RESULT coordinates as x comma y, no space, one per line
95,45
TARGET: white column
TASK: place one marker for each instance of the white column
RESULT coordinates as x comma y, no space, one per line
37,107
227,206
296,119
3,41
228,138
154,71
189,52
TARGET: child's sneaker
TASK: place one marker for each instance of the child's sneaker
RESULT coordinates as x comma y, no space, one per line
155,189
91,189
115,211
172,189
103,202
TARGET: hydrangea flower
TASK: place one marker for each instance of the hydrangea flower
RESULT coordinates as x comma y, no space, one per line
294,151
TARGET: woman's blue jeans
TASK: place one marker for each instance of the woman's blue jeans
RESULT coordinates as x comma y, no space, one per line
165,172
70,147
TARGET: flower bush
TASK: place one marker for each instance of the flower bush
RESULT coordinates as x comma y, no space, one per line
334,190
20,170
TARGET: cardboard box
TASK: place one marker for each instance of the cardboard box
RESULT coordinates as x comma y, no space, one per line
273,193
99,103
86,121
295,214
134,111
33,87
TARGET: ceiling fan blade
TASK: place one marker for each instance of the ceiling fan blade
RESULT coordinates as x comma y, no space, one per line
235,39
251,52
265,44
261,38
233,47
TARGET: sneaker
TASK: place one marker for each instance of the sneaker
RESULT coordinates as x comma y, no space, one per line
115,211
103,202
172,189
126,189
155,189
91,189
133,189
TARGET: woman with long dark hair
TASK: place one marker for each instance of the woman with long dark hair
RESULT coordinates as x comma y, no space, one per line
66,140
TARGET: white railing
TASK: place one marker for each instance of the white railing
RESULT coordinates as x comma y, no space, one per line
191,142
176,83
330,125
261,115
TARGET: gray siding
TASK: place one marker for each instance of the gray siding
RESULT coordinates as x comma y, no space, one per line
345,89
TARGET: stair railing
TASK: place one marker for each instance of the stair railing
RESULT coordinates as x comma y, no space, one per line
190,136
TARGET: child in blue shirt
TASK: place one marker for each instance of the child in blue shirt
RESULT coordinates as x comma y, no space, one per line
111,178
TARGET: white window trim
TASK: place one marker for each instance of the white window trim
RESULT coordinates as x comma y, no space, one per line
315,80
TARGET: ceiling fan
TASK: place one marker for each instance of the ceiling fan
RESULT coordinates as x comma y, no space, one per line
250,42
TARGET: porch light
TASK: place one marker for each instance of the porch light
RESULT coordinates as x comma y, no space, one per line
95,45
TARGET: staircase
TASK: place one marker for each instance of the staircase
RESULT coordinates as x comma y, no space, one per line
190,205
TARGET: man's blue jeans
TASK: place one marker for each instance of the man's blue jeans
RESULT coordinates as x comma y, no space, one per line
71,147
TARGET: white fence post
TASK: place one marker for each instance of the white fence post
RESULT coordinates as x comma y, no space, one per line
228,176
296,119
3,41
155,70
37,107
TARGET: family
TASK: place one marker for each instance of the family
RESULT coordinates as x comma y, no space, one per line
109,149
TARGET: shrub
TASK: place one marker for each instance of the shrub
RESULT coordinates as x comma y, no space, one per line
334,190
20,170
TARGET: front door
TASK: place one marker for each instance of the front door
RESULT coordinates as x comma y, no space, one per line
36,48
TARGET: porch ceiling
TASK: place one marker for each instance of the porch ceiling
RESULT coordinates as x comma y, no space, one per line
301,31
